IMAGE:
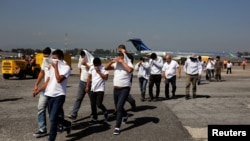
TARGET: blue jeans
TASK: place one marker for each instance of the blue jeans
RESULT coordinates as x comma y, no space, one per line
120,96
80,95
41,114
143,83
55,108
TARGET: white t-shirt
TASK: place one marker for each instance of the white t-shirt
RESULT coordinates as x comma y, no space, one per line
143,70
121,76
170,68
54,88
84,70
229,65
156,65
98,84
45,66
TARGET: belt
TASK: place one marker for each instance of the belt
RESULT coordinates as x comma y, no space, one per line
117,87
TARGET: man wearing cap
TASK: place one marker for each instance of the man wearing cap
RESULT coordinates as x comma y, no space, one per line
193,70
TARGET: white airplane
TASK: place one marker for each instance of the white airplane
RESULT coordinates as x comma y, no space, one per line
146,51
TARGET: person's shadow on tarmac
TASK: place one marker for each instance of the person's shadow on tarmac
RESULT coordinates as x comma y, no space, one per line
88,130
141,121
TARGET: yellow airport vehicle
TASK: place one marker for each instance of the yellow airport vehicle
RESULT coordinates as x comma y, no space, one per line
19,68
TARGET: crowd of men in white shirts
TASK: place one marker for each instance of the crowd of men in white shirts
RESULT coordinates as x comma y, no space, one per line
93,75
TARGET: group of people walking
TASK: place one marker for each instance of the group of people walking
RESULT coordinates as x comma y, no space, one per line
93,74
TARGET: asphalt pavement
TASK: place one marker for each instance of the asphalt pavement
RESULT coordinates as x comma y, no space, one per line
225,102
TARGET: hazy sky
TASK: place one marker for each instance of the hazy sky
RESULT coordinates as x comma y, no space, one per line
176,25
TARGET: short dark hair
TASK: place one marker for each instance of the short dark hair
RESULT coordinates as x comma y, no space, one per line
142,59
47,50
153,56
58,53
218,57
97,61
122,46
82,53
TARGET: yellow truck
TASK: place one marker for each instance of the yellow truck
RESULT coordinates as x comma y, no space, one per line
21,68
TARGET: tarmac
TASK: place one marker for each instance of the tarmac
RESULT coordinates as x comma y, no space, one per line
225,102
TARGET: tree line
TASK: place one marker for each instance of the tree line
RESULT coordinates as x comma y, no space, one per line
72,52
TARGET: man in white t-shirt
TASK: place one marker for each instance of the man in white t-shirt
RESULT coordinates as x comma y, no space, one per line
122,82
85,61
156,64
97,76
169,70
42,102
55,90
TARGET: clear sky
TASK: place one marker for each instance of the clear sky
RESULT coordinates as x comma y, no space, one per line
175,25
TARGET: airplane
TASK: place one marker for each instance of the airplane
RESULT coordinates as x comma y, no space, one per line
143,50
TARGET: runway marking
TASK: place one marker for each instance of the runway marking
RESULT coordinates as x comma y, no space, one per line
197,133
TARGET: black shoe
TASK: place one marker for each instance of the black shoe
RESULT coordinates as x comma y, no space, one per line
68,128
150,99
106,116
173,97
116,131
166,97
72,117
186,97
93,121
125,119
39,134
194,96
142,99
60,128
155,99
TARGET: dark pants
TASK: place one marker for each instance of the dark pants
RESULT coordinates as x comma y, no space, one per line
120,96
80,95
96,100
55,108
218,74
171,81
229,70
154,79
130,99
208,74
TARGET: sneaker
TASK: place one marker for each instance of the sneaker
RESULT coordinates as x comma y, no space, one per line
142,99
116,131
60,128
93,121
68,128
106,116
150,99
125,119
72,117
39,134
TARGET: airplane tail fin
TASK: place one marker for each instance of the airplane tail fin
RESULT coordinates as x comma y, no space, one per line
139,45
